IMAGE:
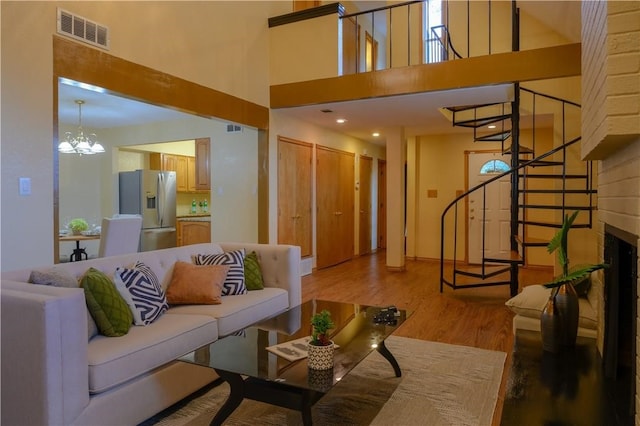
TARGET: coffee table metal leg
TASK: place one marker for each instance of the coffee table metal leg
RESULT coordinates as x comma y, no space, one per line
305,409
384,351
236,383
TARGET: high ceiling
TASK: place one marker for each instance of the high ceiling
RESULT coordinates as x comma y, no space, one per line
417,113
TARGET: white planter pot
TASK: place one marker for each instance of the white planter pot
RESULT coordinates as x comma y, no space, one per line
320,357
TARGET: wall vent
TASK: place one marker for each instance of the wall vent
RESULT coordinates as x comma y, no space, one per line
82,29
233,128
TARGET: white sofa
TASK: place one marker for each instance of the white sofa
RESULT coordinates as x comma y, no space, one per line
52,374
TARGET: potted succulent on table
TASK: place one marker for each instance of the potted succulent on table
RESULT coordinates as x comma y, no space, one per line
77,226
559,319
320,348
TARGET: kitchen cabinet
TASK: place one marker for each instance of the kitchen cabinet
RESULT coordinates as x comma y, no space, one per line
163,162
193,232
202,169
192,173
185,176
182,173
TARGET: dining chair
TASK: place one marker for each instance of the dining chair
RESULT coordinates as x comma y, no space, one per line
120,234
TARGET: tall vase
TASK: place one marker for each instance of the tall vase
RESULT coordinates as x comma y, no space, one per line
551,327
568,309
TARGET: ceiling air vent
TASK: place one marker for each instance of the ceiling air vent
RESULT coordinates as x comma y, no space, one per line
82,29
233,128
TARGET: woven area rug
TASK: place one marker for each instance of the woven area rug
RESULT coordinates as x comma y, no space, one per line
441,384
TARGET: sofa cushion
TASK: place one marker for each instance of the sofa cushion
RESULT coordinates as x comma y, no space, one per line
196,284
532,299
107,307
113,361
234,283
239,311
62,278
252,272
140,288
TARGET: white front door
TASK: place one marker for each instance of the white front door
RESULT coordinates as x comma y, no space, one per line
489,207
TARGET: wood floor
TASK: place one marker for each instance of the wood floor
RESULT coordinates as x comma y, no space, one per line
471,317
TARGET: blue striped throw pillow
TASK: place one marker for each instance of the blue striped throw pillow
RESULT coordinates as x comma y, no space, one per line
141,289
234,283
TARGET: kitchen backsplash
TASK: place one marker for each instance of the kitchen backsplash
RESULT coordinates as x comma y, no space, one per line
183,203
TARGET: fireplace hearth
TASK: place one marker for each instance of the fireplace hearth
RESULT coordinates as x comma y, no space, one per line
620,312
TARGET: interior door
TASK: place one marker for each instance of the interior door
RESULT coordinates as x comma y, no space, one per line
364,218
382,204
495,201
294,194
335,206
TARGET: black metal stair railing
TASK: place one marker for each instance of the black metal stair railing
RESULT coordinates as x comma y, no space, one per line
439,46
485,271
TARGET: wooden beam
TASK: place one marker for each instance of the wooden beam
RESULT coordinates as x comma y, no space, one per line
88,65
527,65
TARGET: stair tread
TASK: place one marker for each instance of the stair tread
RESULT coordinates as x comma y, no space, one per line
551,176
522,150
470,107
558,191
554,207
511,257
480,122
552,225
543,163
494,137
532,242
476,271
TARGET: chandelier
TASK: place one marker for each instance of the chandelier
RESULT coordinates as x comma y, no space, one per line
80,143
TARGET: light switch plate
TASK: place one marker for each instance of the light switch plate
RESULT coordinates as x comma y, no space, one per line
25,186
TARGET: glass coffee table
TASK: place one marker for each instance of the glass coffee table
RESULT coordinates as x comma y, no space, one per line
266,361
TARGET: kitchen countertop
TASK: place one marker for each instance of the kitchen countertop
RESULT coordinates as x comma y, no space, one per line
198,217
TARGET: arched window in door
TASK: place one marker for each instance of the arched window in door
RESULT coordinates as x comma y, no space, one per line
494,167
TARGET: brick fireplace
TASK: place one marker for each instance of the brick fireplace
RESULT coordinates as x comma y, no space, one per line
611,134
619,351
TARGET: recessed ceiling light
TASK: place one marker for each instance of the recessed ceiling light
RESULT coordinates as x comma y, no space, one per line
341,120
375,134
491,126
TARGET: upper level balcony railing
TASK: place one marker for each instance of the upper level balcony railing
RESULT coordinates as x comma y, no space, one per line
328,42
426,31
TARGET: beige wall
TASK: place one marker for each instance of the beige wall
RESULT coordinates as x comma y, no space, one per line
167,36
304,50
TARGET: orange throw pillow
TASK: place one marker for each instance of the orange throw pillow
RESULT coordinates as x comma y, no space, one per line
195,284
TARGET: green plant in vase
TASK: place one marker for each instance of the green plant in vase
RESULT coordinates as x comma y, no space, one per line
320,348
77,225
321,323
559,320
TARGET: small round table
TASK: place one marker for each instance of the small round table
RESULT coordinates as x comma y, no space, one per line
78,252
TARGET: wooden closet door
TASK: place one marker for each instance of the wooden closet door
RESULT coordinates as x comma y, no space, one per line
364,218
382,204
335,200
294,194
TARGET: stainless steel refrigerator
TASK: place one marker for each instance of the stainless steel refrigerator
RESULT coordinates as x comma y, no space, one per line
151,194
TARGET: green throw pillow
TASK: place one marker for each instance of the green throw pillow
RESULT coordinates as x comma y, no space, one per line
107,307
252,272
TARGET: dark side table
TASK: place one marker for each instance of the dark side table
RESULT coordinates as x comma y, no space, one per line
566,388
